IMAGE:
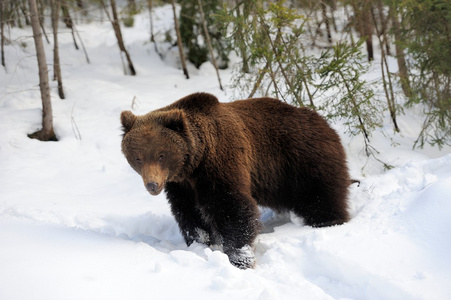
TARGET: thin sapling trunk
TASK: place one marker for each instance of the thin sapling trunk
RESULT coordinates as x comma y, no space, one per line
46,133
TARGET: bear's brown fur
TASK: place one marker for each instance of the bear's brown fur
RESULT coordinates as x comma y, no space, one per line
218,161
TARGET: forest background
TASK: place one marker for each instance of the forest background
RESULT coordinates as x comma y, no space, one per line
75,220
297,51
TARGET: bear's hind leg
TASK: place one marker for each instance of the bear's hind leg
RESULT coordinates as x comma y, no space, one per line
323,207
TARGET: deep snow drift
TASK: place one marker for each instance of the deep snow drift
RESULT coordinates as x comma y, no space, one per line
77,223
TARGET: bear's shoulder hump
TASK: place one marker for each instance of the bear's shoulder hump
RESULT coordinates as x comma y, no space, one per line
197,102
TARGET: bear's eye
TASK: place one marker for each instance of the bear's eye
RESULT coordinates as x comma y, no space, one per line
161,158
138,161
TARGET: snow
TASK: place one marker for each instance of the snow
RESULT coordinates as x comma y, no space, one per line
76,222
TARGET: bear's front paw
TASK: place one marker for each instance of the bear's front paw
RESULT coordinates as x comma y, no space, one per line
197,235
243,258
202,236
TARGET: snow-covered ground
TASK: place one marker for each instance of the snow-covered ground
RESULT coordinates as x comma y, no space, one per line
76,222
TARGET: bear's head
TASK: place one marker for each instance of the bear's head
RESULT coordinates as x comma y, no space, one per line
156,146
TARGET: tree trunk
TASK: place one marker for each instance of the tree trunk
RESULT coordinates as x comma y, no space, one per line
179,41
326,21
242,45
384,28
67,19
56,57
120,40
2,32
400,57
25,13
368,31
82,6
16,15
364,24
82,44
46,133
117,31
40,8
208,41
389,94
150,7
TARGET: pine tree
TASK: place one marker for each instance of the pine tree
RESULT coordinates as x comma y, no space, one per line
193,34
427,39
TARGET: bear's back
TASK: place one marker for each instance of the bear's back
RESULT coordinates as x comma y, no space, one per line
263,106
281,119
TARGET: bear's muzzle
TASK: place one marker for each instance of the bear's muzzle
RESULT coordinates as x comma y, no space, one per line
154,178
152,187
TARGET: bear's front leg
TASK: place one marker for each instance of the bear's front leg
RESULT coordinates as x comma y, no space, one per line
181,197
234,216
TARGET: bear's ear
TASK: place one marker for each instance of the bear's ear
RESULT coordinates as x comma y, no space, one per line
174,120
127,120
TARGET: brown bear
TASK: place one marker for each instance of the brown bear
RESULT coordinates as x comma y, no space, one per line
218,161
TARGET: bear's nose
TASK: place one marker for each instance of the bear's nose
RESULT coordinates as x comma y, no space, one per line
152,187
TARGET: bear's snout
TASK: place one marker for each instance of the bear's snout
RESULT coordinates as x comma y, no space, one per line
154,178
152,187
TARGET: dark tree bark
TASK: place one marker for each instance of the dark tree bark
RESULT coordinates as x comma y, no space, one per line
386,77
56,57
40,8
120,40
383,23
82,6
364,24
242,47
117,31
82,44
150,7
25,13
179,41
46,133
208,41
67,19
2,32
400,56
368,32
326,21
